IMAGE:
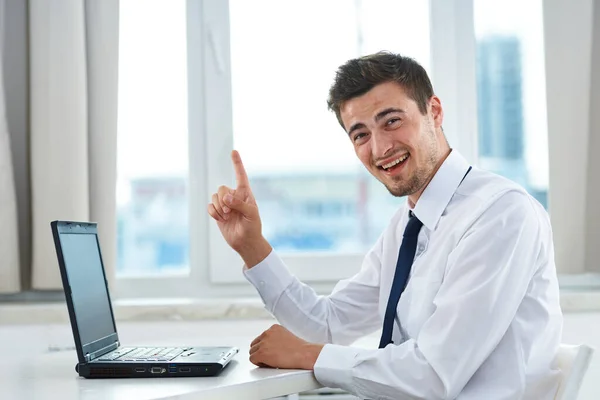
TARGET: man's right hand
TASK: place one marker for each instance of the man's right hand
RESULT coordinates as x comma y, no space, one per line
237,216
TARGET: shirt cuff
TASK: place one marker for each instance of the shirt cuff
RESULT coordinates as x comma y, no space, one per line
271,278
334,366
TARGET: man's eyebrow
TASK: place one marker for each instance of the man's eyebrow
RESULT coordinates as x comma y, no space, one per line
358,125
387,111
378,117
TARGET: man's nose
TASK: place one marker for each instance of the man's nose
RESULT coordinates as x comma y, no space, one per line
381,144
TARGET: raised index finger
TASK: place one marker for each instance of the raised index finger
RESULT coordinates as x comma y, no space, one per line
240,172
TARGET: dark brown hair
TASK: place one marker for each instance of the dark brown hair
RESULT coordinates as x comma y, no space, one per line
359,75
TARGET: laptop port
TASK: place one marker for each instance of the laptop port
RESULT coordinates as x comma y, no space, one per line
185,370
140,370
157,370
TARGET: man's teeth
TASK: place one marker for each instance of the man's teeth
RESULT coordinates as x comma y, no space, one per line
395,162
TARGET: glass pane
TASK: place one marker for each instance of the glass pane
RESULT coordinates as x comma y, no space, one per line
513,137
152,168
313,193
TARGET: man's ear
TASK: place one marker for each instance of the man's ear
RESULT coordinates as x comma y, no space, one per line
437,112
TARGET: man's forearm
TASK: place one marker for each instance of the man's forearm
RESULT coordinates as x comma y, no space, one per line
255,252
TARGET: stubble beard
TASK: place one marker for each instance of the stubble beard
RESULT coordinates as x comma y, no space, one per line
422,174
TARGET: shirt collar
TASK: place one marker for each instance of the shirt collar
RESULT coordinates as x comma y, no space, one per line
441,188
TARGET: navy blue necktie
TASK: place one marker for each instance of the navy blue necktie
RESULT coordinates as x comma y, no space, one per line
403,265
406,257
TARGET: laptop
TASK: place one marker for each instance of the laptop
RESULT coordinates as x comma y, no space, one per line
99,350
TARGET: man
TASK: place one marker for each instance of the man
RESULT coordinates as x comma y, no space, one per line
462,281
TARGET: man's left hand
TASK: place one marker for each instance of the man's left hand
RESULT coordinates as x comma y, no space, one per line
279,348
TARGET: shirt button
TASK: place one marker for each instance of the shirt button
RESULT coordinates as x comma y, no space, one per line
262,283
421,248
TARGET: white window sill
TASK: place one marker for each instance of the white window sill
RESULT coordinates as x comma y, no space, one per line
198,309
141,310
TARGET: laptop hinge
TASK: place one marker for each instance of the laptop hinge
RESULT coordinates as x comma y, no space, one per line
91,356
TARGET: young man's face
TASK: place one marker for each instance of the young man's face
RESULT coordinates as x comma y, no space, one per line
401,147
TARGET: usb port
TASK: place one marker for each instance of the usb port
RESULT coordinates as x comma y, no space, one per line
185,370
140,370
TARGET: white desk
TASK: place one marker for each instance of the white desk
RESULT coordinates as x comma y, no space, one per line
52,375
29,371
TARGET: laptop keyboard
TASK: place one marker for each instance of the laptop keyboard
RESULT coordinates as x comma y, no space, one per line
143,354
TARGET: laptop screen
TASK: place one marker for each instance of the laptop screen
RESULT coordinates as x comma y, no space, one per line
88,288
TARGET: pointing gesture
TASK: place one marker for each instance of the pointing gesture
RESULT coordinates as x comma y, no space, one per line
237,216
241,177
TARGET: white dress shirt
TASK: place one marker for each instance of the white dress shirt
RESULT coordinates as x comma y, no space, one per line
479,318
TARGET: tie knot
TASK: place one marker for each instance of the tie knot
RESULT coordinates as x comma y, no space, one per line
414,225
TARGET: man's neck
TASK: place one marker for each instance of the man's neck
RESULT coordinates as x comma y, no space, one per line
413,198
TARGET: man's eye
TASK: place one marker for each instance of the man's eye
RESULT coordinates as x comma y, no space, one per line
392,121
359,136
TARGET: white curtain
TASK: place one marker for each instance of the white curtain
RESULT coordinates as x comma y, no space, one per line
73,111
9,246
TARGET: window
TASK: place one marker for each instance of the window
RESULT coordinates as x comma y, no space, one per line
255,76
314,195
152,193
513,136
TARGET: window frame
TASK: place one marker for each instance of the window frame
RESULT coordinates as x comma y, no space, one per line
214,267
211,141
224,264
